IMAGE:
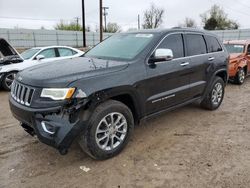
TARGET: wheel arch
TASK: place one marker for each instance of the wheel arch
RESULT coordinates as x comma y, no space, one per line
222,74
125,95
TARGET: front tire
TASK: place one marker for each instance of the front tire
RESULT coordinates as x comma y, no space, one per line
8,79
215,97
109,130
240,77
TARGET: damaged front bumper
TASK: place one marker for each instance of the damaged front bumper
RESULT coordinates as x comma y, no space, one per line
52,126
1,78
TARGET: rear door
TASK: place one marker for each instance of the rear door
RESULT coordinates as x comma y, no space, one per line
168,81
200,60
65,53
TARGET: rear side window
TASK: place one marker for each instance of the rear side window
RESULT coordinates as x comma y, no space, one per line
175,43
64,52
213,45
195,44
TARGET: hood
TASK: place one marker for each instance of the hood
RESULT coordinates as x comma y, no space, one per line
62,73
235,56
8,54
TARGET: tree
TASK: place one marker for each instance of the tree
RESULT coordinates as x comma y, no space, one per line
153,17
217,19
188,22
113,28
72,26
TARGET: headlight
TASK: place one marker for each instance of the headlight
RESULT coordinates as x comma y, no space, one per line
58,93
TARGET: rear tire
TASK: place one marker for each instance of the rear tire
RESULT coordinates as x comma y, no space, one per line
108,131
240,77
215,97
8,79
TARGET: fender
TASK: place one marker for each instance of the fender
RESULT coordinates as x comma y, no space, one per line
242,63
209,85
100,96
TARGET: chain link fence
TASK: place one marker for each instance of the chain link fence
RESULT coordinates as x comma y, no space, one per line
27,38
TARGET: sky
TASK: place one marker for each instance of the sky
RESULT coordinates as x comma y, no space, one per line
33,14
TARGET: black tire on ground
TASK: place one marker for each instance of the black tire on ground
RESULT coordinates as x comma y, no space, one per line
240,77
8,79
103,113
215,96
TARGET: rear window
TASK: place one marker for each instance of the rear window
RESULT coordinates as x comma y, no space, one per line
195,44
213,45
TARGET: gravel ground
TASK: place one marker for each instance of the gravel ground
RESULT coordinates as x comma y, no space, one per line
188,147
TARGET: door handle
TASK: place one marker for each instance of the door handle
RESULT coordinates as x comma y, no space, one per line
185,64
211,59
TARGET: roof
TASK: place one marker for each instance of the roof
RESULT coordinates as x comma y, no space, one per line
174,29
44,47
242,42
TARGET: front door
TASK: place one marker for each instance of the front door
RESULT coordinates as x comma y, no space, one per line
168,81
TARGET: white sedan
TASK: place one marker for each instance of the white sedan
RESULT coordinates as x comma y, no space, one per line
36,56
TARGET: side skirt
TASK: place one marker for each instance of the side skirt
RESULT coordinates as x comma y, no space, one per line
171,108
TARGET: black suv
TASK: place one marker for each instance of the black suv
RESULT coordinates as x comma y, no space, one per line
128,77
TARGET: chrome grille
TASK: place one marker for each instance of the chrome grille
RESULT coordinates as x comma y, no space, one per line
21,93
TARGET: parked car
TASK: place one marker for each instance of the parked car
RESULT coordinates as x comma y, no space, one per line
98,98
239,64
36,56
8,55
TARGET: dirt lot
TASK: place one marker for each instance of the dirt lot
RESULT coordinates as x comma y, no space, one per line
189,147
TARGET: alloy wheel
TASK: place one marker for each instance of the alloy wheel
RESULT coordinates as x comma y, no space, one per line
241,76
111,131
217,94
9,79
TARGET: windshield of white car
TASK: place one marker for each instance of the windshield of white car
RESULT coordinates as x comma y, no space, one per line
235,48
29,53
125,46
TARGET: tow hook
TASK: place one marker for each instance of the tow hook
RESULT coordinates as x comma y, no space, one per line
63,151
28,129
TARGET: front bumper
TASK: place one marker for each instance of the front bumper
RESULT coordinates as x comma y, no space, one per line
1,78
50,125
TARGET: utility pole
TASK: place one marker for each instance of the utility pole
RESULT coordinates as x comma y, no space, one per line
139,24
77,23
83,24
105,13
101,25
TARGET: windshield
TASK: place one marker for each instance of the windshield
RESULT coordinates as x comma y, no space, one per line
29,53
121,46
235,48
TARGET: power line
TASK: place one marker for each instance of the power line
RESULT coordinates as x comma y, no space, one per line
229,8
243,4
26,18
105,13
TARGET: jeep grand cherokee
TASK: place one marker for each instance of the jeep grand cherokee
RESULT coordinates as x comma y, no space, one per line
98,98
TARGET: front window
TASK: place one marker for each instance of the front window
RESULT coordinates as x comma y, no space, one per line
121,46
29,53
235,48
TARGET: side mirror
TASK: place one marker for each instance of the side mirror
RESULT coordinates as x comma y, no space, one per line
40,57
162,55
